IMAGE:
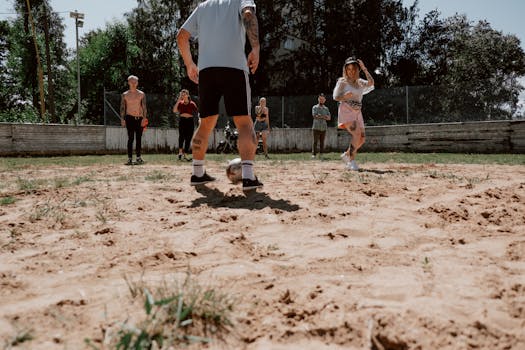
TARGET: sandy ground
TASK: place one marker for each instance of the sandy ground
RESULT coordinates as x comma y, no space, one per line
397,256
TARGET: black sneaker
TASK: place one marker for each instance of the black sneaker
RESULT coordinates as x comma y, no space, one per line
129,162
140,161
204,179
248,184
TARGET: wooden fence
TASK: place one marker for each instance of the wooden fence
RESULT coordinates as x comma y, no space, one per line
469,137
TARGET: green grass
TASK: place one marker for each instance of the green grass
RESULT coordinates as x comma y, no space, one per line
7,200
170,159
174,315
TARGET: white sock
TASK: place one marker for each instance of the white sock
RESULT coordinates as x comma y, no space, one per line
198,168
247,169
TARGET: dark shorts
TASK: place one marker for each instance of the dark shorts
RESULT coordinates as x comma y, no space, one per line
260,126
233,84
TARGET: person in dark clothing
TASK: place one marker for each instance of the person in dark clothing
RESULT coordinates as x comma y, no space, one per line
186,109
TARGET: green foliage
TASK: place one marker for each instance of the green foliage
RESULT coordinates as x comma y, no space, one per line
476,68
18,69
156,64
20,115
319,46
106,60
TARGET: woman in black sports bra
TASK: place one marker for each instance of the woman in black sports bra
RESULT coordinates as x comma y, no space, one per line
262,123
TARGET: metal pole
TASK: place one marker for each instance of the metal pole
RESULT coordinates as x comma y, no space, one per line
78,69
406,103
78,23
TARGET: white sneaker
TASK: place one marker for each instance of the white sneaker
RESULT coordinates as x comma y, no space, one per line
345,158
352,165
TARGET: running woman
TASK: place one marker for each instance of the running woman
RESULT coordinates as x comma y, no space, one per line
349,91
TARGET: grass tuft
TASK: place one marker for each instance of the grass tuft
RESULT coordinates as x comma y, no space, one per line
22,336
29,186
7,200
174,315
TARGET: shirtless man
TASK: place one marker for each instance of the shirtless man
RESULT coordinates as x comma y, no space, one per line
133,116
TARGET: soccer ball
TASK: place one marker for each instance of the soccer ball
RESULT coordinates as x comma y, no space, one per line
234,170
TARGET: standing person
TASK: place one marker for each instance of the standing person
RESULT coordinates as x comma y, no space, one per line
321,115
262,123
349,91
221,27
133,114
186,109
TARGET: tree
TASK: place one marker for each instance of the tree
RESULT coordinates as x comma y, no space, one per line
322,34
106,59
154,27
5,88
20,57
474,67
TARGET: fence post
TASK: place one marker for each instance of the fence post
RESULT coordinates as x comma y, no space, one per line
282,111
406,100
104,100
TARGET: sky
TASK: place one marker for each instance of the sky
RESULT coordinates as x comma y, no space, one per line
503,15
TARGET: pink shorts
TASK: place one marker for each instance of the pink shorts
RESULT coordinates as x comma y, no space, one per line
347,115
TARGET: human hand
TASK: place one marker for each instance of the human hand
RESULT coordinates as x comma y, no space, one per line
348,95
253,60
193,72
123,122
361,64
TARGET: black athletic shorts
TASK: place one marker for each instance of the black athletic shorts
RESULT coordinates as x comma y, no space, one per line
233,84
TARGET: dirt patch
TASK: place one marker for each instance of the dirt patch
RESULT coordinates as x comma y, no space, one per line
396,256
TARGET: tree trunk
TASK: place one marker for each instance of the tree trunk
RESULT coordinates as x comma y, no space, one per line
50,82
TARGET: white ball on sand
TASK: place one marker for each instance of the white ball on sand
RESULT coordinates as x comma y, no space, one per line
234,170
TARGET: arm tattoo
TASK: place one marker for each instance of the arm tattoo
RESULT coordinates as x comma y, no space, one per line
369,78
251,25
196,144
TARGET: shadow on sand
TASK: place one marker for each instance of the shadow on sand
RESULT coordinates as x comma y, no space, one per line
252,200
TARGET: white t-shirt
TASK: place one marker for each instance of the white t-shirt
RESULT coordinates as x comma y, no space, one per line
218,26
342,88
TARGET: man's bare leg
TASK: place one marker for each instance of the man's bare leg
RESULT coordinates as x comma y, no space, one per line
199,145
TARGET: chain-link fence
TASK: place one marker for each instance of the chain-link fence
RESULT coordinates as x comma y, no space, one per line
400,105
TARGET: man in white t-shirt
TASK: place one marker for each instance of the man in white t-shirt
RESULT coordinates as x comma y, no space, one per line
221,27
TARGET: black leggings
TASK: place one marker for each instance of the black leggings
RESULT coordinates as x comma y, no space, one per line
186,127
134,128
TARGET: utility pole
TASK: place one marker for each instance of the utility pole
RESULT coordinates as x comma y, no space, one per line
78,24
